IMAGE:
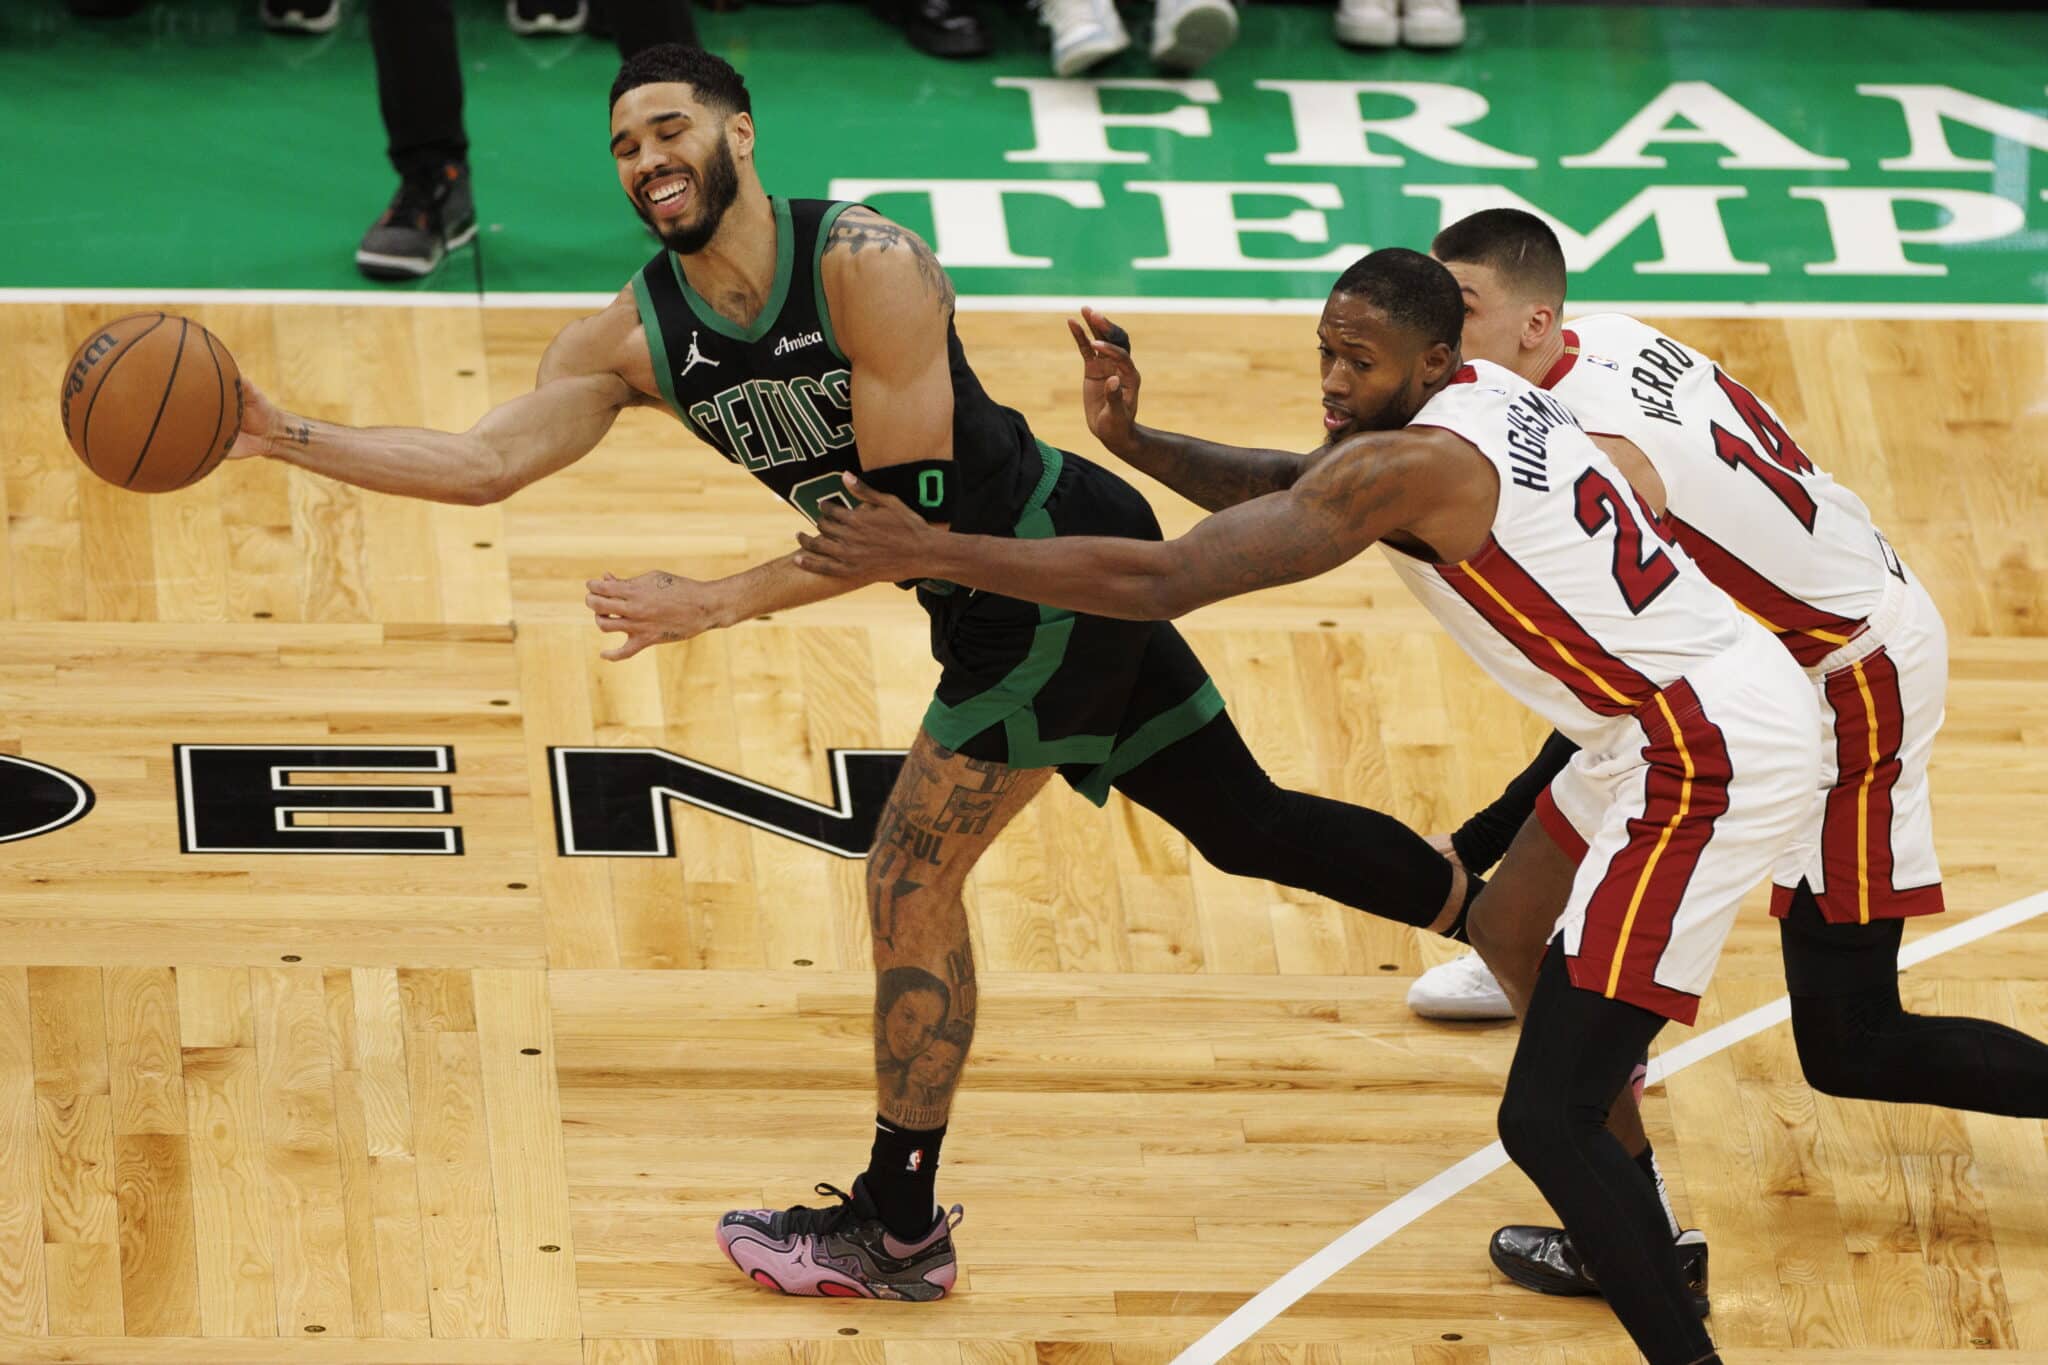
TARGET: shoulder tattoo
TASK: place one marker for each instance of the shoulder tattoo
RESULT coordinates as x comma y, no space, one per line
860,229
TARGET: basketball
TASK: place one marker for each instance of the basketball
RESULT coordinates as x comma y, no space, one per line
150,402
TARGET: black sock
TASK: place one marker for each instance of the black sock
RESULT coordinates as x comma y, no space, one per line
1483,840
1474,884
903,1168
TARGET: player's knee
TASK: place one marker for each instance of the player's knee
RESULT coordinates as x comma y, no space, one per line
891,881
1241,840
1534,1126
1838,1058
1240,853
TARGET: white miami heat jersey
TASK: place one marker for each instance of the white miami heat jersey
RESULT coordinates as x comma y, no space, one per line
1795,549
1575,605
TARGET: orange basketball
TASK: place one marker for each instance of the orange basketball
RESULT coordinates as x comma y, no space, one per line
151,402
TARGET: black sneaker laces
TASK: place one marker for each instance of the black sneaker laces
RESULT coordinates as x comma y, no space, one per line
819,1222
417,203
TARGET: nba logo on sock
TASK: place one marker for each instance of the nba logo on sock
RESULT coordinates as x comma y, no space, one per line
916,1160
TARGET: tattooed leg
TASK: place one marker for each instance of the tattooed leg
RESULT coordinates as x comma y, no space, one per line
945,811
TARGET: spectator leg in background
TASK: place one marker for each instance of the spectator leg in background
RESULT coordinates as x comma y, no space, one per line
419,90
641,24
419,83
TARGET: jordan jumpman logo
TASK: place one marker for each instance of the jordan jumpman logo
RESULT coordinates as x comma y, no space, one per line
695,358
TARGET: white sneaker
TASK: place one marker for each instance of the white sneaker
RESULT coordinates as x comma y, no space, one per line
1367,23
1187,33
1459,989
1432,23
300,16
533,18
1085,33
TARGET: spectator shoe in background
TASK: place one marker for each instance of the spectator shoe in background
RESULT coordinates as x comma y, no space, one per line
1187,33
944,28
430,216
532,18
299,16
1432,23
1085,33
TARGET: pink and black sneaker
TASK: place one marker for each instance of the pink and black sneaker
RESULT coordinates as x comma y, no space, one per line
843,1252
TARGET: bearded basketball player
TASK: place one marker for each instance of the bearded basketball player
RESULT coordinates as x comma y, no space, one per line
806,340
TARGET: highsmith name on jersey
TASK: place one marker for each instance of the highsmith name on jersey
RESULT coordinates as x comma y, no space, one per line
1575,604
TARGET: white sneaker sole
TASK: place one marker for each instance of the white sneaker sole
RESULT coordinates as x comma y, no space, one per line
1366,30
1433,31
294,21
1072,61
546,23
1425,1000
407,265
1197,36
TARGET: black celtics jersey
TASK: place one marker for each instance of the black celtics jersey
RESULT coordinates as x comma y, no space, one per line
776,396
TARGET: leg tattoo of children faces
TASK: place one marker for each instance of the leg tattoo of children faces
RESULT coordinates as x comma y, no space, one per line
922,1034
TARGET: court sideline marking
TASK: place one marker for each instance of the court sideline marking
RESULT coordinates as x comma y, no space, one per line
1023,303
1270,1302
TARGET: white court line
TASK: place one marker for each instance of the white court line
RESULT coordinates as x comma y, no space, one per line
1022,303
1289,1289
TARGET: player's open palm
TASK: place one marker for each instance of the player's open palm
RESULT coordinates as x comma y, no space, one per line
1109,380
656,608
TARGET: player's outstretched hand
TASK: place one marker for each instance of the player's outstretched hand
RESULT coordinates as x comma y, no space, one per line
1109,380
260,425
656,608
878,540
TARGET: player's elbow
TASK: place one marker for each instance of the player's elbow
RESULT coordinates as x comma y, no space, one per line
1175,586
1169,599
490,482
486,474
1158,595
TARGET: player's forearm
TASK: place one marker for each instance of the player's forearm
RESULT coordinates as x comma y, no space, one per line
778,585
1207,473
441,466
1101,575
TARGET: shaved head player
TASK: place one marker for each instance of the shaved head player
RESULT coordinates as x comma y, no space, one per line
805,340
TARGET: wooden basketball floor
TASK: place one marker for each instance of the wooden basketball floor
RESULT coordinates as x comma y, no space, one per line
486,1108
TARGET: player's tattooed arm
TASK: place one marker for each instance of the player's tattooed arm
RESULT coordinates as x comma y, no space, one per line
860,229
1210,475
1206,473
1428,488
892,313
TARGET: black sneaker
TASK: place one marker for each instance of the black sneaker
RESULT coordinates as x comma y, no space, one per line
299,16
944,28
841,1252
528,18
429,217
1544,1259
